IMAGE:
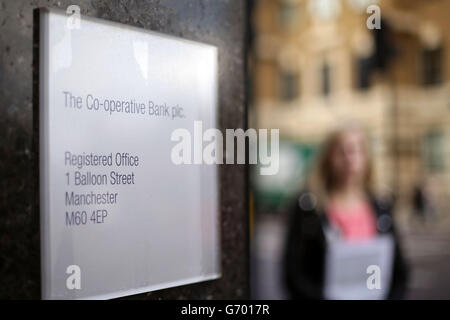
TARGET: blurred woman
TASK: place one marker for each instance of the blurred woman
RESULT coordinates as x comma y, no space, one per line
340,199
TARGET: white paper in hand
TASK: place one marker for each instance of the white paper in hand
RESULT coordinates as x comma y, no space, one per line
358,270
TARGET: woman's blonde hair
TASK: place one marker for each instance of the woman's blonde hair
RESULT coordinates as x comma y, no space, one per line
321,181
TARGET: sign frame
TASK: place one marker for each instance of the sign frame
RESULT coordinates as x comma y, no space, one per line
42,92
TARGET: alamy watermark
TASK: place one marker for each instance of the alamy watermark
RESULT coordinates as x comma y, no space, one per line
374,280
190,149
73,281
374,20
74,17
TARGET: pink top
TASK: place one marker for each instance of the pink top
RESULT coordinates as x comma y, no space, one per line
357,224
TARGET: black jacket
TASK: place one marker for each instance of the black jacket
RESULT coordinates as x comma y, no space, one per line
304,258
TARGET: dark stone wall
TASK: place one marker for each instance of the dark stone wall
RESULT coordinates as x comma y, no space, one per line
218,22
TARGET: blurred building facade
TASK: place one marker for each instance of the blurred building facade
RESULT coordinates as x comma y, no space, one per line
312,68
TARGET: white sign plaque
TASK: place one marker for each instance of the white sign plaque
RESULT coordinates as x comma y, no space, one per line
118,217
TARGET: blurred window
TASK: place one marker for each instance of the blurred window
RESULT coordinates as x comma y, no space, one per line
289,85
432,66
288,14
363,66
434,150
326,79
